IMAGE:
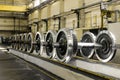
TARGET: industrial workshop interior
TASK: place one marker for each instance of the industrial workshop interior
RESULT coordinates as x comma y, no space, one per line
59,39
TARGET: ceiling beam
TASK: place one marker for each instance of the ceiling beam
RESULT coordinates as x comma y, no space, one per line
9,8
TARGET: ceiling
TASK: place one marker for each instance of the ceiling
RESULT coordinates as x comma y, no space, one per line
14,2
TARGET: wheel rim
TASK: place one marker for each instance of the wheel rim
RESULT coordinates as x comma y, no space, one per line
106,52
39,39
29,44
85,51
24,45
21,42
62,40
38,43
67,44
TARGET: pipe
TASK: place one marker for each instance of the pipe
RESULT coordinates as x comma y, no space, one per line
59,27
14,26
89,45
19,26
44,43
56,45
78,18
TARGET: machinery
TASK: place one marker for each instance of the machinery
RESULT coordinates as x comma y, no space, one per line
64,46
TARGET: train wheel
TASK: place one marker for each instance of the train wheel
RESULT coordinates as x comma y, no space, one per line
87,52
50,39
67,45
39,38
106,52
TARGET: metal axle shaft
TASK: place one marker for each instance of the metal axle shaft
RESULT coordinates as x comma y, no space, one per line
88,45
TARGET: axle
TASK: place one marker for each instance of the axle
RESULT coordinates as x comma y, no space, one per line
88,45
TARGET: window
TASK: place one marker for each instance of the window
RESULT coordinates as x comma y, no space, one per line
36,3
43,1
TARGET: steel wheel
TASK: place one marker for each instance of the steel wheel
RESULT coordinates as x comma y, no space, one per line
87,52
67,45
50,39
106,52
30,43
39,38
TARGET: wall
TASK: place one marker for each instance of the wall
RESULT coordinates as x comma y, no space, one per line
12,22
12,25
56,8
90,17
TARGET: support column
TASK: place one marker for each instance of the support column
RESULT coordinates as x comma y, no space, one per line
62,24
82,14
49,14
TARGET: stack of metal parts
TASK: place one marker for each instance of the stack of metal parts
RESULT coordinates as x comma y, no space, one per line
64,46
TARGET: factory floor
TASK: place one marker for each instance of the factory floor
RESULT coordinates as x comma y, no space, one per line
13,68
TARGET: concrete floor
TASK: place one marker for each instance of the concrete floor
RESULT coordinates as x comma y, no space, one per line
12,68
